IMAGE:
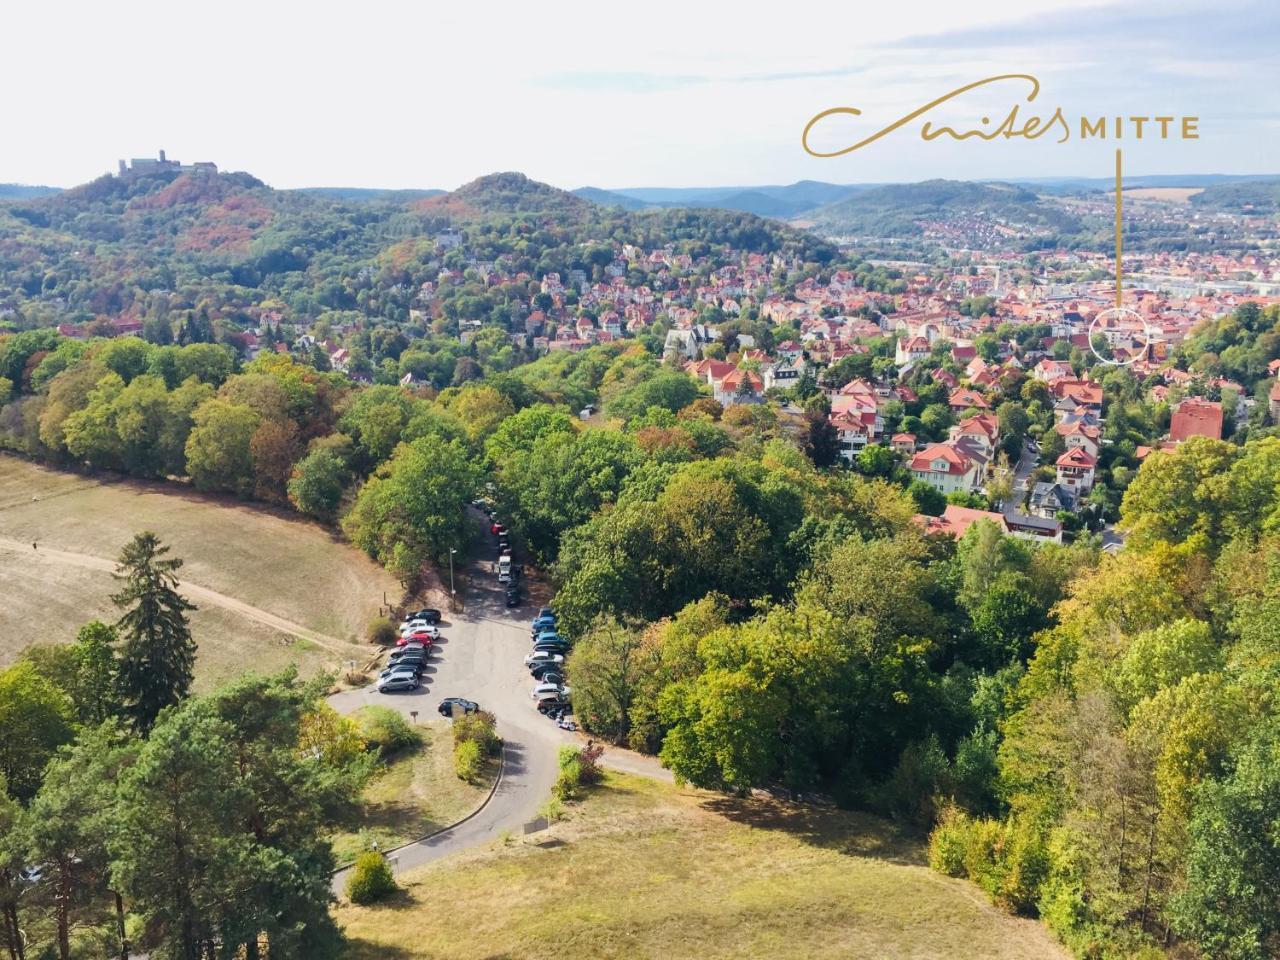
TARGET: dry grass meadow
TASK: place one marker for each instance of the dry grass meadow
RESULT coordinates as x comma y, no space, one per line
272,590
643,870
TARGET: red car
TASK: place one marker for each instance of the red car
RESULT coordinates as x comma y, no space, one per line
422,638
497,528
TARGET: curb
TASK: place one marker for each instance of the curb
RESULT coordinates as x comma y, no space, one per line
502,765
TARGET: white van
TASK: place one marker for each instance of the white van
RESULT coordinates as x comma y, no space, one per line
504,569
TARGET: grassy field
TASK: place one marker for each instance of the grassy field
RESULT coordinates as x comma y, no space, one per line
1162,194
274,590
414,795
646,870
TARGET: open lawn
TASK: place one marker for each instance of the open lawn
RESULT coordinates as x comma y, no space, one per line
415,794
271,589
642,869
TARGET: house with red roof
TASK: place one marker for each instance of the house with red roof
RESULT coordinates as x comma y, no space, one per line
1078,433
948,467
982,430
910,350
1195,417
1076,470
739,386
956,521
964,398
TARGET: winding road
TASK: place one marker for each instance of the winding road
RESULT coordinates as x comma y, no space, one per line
480,656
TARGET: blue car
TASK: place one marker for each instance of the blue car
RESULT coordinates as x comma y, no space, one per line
543,623
548,636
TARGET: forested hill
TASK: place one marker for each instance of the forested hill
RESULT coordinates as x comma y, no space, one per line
906,210
1251,196
230,242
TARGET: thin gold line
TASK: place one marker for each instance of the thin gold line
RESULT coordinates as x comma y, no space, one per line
1119,222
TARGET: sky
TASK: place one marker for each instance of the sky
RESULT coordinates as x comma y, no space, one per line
400,95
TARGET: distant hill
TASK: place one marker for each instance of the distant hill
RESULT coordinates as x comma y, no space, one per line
504,194
607,198
765,201
901,210
368,194
22,191
1248,196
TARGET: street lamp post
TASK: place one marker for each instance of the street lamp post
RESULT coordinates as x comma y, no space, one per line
452,592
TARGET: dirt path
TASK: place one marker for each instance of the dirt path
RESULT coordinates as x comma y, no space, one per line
193,591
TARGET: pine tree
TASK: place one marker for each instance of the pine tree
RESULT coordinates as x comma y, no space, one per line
158,652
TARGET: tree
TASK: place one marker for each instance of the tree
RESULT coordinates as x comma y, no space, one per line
95,683
218,843
158,654
218,450
36,718
318,482
606,667
12,857
70,819
1231,904
414,509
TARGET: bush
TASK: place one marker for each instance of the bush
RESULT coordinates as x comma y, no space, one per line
947,843
468,759
578,768
479,727
1009,860
370,879
382,631
386,731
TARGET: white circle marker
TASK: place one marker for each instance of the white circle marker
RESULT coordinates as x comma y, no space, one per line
1118,313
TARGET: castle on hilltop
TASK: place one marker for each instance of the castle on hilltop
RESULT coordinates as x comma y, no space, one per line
140,166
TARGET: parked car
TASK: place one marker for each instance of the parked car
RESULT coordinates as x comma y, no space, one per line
544,689
425,639
541,625
553,706
544,656
549,675
496,528
412,649
413,667
429,614
546,612
419,626
555,646
448,703
545,635
404,680
513,595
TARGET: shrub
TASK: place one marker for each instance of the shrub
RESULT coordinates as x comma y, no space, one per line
370,879
386,731
566,785
589,771
947,843
382,631
553,810
1024,862
468,759
480,727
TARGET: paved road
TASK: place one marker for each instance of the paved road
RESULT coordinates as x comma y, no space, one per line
480,656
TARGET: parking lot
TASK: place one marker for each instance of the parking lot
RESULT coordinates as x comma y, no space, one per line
480,656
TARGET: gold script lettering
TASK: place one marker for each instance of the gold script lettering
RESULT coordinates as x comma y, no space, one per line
927,133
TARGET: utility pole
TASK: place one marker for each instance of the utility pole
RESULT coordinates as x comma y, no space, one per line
453,593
